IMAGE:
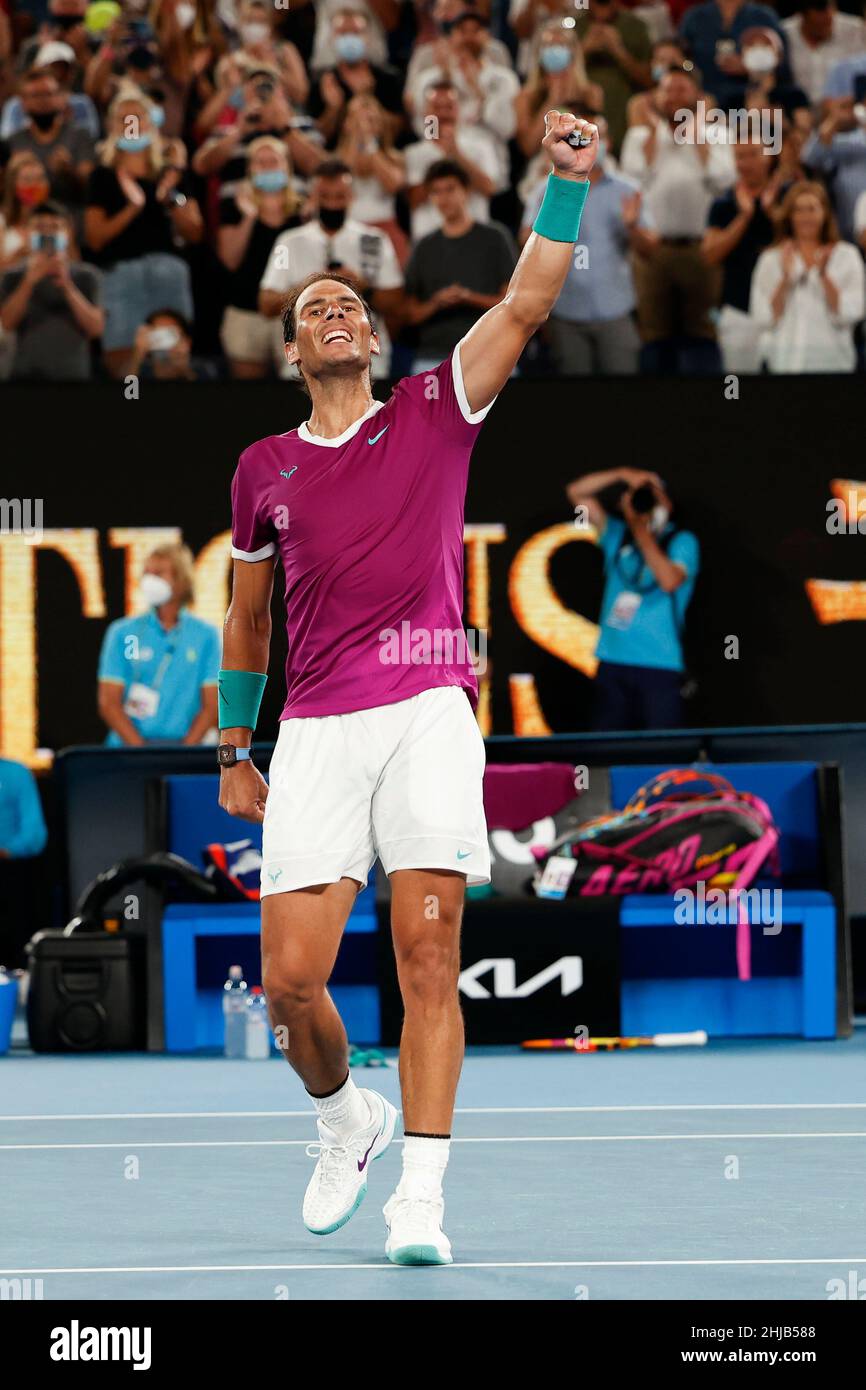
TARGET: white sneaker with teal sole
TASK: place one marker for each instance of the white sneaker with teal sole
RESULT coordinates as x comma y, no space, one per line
415,1235
339,1182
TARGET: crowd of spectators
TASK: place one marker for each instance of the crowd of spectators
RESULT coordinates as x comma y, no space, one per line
171,168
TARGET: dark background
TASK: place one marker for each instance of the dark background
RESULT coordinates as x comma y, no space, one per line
751,477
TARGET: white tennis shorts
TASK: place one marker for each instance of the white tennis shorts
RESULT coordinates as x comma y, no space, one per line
401,781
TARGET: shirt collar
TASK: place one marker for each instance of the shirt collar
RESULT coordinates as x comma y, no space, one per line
308,438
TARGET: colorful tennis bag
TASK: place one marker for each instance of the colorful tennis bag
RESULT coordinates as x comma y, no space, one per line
683,828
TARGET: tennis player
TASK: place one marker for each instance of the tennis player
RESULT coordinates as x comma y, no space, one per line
378,751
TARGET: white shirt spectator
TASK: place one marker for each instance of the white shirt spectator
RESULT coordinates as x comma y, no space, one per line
808,337
678,186
493,108
325,55
303,250
371,202
424,57
476,145
811,65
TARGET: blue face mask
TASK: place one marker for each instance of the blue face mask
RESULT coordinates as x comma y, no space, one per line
270,180
556,57
350,48
131,144
236,99
157,117
658,72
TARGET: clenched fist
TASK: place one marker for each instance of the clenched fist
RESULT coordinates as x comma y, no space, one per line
243,792
568,161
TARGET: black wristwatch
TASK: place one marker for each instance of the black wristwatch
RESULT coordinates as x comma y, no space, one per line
228,755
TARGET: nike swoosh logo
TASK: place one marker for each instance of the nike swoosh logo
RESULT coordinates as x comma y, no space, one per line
362,1162
284,474
462,855
378,436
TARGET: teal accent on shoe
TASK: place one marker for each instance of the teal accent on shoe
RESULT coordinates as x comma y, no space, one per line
417,1255
329,1230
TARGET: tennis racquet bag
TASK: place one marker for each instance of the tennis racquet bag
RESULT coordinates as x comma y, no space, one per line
684,828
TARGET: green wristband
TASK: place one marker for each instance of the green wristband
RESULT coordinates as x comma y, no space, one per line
240,696
559,215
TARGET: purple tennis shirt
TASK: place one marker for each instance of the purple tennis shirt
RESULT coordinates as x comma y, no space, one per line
369,527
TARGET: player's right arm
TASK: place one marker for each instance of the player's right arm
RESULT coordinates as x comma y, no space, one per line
246,647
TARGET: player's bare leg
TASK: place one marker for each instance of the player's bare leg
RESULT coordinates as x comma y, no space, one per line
426,911
301,933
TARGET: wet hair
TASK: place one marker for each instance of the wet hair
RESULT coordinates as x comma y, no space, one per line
288,311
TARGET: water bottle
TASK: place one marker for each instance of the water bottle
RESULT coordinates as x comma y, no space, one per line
235,1012
258,1027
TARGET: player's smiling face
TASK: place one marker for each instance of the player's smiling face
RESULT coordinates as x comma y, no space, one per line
333,335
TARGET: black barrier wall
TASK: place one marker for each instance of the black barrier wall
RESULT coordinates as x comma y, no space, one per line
752,476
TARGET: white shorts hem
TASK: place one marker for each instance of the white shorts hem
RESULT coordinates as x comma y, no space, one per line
437,852
306,873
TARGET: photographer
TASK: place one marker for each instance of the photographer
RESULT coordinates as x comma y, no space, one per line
256,105
650,569
163,350
51,303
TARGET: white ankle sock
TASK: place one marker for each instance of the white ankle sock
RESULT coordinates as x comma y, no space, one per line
344,1111
424,1164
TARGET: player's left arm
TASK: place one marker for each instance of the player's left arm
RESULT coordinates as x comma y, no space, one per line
492,347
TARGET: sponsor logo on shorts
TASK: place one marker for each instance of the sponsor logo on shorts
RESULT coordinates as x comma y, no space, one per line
274,876
463,853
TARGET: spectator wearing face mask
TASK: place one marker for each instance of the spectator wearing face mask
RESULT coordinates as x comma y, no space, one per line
263,206
451,138
381,17
189,40
763,53
679,179
26,186
51,303
650,568
158,668
64,150
740,227
248,104
616,49
712,32
527,18
262,47
557,81
809,289
162,350
818,37
138,204
336,242
592,329
56,59
353,73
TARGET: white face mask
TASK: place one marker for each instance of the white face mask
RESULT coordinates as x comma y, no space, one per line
254,33
185,15
759,61
154,591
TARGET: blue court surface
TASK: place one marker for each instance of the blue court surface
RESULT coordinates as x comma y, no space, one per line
733,1171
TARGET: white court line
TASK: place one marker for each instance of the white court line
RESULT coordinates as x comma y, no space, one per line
461,1110
486,1139
468,1264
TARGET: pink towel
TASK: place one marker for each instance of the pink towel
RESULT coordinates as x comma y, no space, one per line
517,794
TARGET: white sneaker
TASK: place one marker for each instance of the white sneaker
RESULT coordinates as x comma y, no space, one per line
339,1182
415,1235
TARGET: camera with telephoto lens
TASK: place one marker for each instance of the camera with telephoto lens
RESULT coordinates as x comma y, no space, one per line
264,90
46,242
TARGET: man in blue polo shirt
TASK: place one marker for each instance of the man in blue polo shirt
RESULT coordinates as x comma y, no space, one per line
650,570
158,670
22,824
592,328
